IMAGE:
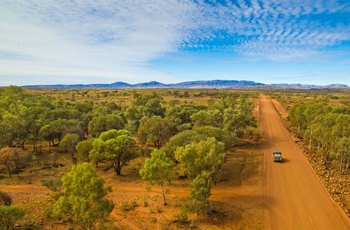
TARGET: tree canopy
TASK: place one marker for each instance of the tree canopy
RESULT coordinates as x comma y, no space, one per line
202,162
158,170
83,200
115,148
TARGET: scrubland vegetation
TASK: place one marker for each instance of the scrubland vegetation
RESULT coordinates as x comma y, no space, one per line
184,133
81,143
322,122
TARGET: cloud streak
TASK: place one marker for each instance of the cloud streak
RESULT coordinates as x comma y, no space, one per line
286,30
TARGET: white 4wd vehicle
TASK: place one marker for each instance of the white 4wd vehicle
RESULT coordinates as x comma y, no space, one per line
277,156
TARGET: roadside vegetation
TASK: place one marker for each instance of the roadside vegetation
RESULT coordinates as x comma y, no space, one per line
72,139
320,123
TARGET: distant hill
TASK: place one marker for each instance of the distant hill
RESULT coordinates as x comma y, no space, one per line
302,86
212,84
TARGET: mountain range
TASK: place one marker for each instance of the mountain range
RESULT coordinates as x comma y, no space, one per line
212,84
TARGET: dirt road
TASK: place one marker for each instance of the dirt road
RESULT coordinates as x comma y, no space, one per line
294,197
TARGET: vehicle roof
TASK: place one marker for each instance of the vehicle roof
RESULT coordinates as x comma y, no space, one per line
277,151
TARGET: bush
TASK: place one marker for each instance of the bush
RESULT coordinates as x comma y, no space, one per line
9,215
55,195
182,216
126,206
5,199
52,183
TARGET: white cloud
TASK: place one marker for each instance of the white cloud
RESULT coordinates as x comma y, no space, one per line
116,39
108,36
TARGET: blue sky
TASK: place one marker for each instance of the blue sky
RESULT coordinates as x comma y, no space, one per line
170,41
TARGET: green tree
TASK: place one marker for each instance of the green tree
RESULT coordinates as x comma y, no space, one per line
180,140
227,137
297,117
84,121
320,133
207,155
83,201
9,215
198,201
35,134
83,149
148,103
105,122
202,162
155,131
207,118
342,153
54,131
172,114
14,126
48,133
84,106
133,117
158,170
115,148
69,142
186,113
341,127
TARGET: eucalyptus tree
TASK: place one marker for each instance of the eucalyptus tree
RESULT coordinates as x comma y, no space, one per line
104,122
53,131
69,143
228,138
200,192
83,149
206,155
83,200
201,162
158,169
181,139
148,103
321,134
155,131
202,118
115,148
342,153
14,126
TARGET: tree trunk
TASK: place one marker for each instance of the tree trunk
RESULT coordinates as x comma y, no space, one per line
163,193
118,168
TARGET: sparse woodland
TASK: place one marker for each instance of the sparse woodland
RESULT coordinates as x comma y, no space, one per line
322,122
106,129
57,135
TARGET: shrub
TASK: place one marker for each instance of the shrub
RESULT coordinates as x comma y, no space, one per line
5,199
9,215
182,216
126,206
52,183
55,195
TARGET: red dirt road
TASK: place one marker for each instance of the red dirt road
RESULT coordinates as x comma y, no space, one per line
294,196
